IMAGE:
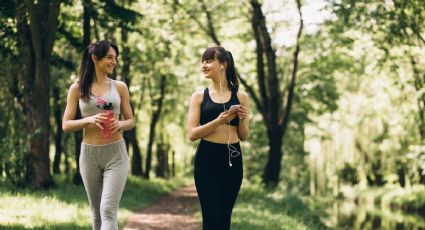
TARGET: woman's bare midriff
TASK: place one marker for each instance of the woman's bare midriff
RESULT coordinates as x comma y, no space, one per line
220,135
91,135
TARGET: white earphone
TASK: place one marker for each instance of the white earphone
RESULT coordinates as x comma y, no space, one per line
233,151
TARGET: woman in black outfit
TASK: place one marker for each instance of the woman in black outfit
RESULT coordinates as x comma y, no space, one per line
218,160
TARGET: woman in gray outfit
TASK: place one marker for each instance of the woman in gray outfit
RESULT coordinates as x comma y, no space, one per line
103,159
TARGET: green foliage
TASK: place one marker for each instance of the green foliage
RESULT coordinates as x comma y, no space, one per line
412,164
12,117
348,174
12,156
118,12
377,110
257,208
66,205
8,31
255,150
355,114
391,22
412,202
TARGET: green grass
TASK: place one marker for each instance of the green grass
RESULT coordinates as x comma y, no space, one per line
257,208
66,206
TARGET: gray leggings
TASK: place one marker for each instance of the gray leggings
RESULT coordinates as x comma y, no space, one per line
104,169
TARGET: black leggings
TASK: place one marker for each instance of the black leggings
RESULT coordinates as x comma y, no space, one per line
217,183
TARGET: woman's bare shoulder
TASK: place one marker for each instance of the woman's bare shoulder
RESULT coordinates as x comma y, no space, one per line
197,96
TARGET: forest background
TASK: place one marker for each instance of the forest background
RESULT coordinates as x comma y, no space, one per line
337,113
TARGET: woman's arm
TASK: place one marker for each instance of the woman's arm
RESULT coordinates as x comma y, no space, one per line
128,122
243,115
196,131
68,122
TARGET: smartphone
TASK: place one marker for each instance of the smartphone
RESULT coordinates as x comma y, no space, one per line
234,108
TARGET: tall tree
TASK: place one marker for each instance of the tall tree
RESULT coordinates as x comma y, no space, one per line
157,102
130,136
78,135
59,131
36,24
274,104
162,154
12,138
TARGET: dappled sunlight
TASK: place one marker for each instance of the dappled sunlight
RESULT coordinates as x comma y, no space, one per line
66,207
173,211
334,89
35,212
257,208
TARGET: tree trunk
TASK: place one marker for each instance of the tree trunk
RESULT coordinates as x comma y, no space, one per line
272,169
160,160
419,171
136,160
36,44
78,138
86,22
162,168
131,135
136,166
165,163
59,132
419,82
401,176
67,163
149,147
78,135
274,110
14,166
155,117
173,165
313,170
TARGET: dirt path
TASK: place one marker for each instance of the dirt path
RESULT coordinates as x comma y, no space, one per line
174,211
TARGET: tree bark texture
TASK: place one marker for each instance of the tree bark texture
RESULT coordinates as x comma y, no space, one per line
155,118
37,23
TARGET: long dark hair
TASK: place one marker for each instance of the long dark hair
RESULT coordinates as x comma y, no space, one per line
224,56
100,50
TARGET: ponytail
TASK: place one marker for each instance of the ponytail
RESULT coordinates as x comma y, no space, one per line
86,74
232,77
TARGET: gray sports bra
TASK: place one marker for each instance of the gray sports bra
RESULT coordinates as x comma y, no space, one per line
96,104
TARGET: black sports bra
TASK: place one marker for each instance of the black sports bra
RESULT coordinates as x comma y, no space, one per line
210,110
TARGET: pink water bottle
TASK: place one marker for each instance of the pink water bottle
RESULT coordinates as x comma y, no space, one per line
106,132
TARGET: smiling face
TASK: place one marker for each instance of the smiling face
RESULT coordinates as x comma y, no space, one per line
107,63
211,68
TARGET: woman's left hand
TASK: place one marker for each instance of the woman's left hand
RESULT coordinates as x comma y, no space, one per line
114,126
242,112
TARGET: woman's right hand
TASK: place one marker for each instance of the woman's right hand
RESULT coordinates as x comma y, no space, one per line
225,117
97,119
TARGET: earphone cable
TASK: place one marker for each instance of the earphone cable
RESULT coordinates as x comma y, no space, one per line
232,150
